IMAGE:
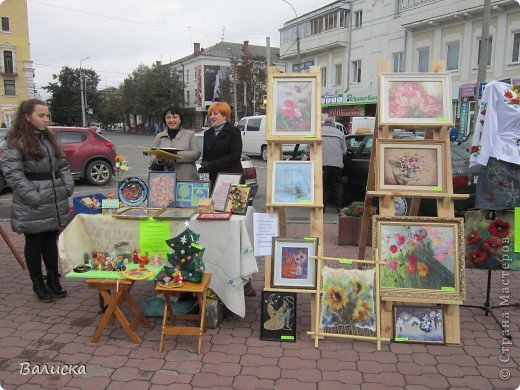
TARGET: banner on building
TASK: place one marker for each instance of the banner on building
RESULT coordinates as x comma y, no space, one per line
213,77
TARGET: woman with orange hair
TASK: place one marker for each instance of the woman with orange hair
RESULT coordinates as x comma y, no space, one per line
222,144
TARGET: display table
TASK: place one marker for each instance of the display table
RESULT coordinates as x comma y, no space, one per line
228,246
200,289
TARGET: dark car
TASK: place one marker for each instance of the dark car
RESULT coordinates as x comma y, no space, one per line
90,155
355,174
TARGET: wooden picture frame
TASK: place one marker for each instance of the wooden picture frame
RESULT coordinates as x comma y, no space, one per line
293,182
136,212
189,193
292,266
238,198
221,189
294,104
419,324
278,316
214,216
175,213
161,189
415,99
418,165
422,258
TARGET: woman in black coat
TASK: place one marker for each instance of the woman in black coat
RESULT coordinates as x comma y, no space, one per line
222,144
35,167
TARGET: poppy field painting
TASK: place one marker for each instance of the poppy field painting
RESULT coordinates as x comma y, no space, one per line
422,257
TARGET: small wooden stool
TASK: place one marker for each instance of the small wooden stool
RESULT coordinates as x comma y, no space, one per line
198,288
114,302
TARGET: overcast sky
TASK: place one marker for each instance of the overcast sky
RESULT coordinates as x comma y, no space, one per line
118,35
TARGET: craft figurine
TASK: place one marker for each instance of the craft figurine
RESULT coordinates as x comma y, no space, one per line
177,275
136,257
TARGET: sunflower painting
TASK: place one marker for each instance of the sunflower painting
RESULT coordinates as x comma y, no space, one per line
347,299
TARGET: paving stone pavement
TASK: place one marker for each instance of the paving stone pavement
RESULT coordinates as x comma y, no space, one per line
233,357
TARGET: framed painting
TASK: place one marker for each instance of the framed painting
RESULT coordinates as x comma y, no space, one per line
176,213
422,258
293,182
294,105
161,189
189,193
292,266
214,216
411,166
347,300
238,198
221,190
419,324
415,99
136,212
278,316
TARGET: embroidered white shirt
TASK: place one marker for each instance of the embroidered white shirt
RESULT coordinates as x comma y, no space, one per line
497,133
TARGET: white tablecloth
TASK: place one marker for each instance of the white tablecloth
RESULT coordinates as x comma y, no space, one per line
228,246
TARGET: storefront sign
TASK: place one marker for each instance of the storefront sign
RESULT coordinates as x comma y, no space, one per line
305,65
347,99
345,110
463,116
467,90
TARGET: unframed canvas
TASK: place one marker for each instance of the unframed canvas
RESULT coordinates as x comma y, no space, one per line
278,316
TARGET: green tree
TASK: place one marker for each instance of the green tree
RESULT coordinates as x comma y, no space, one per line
251,72
65,101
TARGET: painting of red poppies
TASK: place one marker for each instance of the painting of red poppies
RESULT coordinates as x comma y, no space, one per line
415,98
490,242
294,107
422,257
293,266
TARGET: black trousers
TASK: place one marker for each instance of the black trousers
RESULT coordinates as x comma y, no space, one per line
332,187
41,245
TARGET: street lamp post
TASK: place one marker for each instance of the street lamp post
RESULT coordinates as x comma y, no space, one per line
82,91
297,35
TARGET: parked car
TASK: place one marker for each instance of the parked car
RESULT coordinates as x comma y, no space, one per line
249,171
356,163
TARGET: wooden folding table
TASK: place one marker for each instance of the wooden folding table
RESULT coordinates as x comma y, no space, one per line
121,294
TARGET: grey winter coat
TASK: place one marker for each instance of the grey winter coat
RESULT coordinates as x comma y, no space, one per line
185,166
38,205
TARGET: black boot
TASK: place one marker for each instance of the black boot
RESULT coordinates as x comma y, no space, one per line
40,289
53,283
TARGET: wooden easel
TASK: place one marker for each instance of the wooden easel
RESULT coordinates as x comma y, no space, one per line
445,209
12,248
274,149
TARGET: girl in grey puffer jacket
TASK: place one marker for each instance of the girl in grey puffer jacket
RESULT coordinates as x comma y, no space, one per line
34,166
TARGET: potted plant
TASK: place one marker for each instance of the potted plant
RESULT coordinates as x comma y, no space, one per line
349,226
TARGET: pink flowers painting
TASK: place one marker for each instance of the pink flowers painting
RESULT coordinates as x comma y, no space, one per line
412,99
415,98
294,107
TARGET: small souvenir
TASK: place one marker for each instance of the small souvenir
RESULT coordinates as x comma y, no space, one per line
136,257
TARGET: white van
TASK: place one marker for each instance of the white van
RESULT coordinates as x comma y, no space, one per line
253,137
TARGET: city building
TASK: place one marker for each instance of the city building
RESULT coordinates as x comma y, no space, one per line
207,72
347,39
16,67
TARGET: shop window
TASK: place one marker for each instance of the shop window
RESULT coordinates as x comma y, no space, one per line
356,71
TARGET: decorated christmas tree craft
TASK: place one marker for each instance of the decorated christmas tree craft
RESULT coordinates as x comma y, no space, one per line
186,252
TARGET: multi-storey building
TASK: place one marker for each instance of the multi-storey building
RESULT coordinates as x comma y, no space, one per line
348,38
16,68
206,70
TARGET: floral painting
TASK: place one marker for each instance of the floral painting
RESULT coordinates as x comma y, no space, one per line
490,242
294,105
416,98
421,254
419,324
348,299
409,165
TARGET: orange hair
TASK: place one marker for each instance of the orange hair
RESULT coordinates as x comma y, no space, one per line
221,107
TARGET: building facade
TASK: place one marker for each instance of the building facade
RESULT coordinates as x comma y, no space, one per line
206,73
347,39
16,67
